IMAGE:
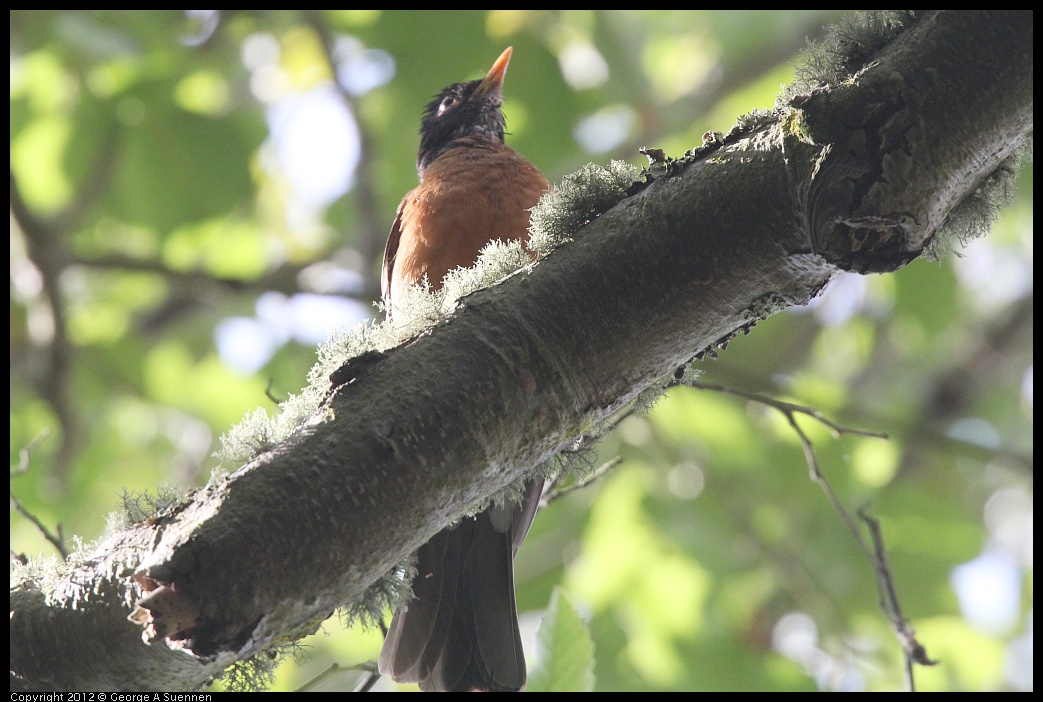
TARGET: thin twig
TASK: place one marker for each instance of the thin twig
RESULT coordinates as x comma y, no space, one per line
914,651
57,540
877,556
367,681
268,393
26,451
555,493
788,409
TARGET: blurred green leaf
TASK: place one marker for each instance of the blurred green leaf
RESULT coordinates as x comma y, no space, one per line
141,146
565,652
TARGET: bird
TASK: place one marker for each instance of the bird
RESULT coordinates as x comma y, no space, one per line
460,630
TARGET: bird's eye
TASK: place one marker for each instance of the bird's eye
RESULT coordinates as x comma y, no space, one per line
447,102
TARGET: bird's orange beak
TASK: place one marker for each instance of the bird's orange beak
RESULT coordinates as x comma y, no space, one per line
493,81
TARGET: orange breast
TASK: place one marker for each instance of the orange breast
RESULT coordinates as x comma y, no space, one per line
469,196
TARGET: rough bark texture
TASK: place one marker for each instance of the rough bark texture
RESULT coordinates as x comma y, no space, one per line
859,177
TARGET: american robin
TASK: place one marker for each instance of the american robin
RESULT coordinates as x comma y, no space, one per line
460,632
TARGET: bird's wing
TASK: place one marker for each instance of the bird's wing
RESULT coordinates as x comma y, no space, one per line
390,251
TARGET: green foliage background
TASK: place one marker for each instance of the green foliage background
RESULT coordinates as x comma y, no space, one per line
707,559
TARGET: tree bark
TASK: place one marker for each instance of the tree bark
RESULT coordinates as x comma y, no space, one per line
859,176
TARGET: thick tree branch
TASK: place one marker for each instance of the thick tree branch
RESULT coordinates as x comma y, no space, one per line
858,176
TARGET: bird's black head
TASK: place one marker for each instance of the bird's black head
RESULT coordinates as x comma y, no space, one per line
463,110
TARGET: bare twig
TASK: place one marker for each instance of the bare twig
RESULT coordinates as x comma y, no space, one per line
25,451
555,493
913,649
322,677
269,395
54,539
367,681
57,540
877,556
789,409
